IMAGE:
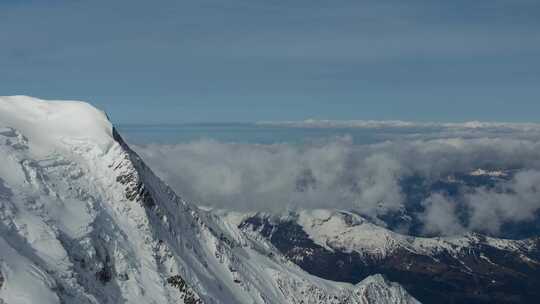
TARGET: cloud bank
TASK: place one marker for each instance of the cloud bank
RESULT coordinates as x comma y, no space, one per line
367,178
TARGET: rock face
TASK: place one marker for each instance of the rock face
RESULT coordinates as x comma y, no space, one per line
84,220
344,247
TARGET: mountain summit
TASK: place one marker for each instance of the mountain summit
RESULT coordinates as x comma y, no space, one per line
84,220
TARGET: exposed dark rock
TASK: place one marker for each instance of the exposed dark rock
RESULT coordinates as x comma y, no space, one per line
135,188
188,295
104,275
123,276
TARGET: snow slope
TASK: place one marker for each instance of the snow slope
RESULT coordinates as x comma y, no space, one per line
84,220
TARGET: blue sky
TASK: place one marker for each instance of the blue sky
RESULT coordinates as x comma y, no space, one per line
251,60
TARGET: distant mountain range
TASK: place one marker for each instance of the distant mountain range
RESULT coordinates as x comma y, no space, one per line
345,247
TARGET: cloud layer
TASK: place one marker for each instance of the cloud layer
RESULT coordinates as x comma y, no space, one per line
337,173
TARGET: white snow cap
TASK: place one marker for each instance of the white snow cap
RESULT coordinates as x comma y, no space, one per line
48,122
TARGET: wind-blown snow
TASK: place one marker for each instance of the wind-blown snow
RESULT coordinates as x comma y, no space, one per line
84,220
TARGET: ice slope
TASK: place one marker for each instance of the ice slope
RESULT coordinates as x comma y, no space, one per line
84,220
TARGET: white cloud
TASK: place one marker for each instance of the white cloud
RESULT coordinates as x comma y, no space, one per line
399,124
515,201
336,173
440,216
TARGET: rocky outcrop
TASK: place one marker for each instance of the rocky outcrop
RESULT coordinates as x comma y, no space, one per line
188,296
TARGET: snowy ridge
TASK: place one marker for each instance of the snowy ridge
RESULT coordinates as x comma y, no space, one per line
84,220
347,232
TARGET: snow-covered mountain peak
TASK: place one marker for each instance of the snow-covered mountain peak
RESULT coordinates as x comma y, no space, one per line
48,124
84,220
